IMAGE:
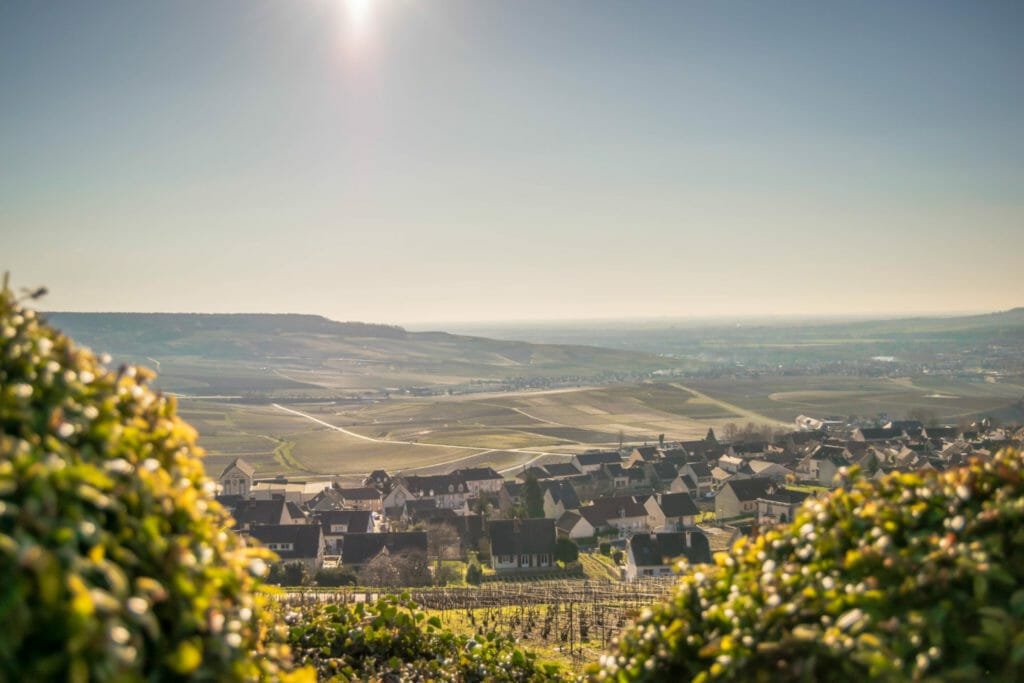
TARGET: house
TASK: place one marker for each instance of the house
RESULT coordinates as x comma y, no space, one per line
826,461
770,470
510,495
661,474
621,512
559,496
362,498
252,513
293,542
738,497
671,511
643,454
328,499
591,461
337,523
358,549
621,478
573,525
447,489
699,472
479,480
779,505
522,544
683,483
237,478
394,501
656,554
295,491
558,470
380,480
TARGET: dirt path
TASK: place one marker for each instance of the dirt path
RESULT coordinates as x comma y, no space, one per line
741,412
476,451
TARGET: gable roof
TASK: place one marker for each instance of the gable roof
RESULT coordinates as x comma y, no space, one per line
477,474
564,492
568,521
243,465
306,539
253,512
786,496
361,548
749,489
678,505
598,457
615,507
328,499
657,550
360,493
353,520
562,469
521,536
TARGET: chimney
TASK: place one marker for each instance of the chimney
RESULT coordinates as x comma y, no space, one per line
689,542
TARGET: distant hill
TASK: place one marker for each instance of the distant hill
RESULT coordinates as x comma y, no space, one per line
209,353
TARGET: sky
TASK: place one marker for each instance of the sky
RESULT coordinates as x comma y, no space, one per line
405,161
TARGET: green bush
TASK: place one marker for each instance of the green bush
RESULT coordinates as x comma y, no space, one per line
474,575
332,578
292,573
566,551
914,577
393,640
605,548
116,563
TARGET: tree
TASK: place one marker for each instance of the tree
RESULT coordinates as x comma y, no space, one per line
533,499
474,574
292,573
566,550
334,577
730,431
443,542
116,562
380,571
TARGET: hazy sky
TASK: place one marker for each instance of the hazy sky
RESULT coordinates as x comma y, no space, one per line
411,160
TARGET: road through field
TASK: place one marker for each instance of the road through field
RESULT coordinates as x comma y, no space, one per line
476,452
732,408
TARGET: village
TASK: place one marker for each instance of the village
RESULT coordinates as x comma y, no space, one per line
641,508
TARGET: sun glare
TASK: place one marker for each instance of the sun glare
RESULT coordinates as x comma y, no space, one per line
358,16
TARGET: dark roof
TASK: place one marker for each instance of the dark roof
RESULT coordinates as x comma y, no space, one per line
647,452
749,489
880,433
562,469
477,473
355,521
359,549
241,464
521,536
433,485
750,447
568,520
942,432
413,507
688,481
665,471
678,505
701,469
295,511
563,491
306,539
599,457
328,499
631,473
253,512
230,502
535,472
593,516
613,507
513,488
787,496
360,493
655,550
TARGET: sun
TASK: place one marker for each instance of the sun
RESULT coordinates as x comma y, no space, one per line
358,16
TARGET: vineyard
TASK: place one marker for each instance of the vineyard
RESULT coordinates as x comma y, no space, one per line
571,622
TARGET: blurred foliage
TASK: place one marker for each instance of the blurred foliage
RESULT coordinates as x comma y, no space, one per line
918,576
115,561
393,640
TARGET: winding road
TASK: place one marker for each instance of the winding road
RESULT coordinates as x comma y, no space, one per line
476,451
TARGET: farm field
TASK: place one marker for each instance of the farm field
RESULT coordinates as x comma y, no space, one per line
942,400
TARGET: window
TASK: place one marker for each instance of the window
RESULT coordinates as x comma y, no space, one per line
524,560
281,546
